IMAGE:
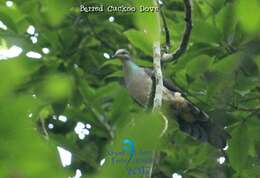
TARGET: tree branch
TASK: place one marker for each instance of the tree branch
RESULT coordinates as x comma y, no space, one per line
158,88
168,57
101,118
158,76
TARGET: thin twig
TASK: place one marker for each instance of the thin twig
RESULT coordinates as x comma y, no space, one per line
166,31
101,118
168,57
152,165
165,124
44,130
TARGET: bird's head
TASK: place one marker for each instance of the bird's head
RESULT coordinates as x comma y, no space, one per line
122,54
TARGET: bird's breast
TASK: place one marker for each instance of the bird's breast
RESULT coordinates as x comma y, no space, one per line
139,85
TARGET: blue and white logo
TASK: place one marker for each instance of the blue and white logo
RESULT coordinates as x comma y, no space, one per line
130,152
129,147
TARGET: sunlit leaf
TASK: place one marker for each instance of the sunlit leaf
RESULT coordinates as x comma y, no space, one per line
248,13
140,40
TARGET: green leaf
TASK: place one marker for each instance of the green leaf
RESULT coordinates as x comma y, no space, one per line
195,69
14,19
253,171
257,60
254,129
120,108
198,174
238,148
57,87
228,64
8,21
111,62
148,22
140,40
249,67
110,89
205,32
218,4
227,21
144,63
248,13
118,74
86,91
55,11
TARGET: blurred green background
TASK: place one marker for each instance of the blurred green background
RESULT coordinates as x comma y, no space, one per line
63,105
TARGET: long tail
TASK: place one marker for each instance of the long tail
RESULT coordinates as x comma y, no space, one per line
197,124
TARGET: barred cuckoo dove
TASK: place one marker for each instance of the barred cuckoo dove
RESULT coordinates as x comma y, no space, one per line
140,84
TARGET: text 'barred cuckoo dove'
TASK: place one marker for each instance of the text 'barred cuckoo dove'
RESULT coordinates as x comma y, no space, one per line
140,83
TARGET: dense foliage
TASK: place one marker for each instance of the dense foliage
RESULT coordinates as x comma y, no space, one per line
220,72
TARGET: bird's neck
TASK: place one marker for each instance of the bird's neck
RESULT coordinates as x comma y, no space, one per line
130,67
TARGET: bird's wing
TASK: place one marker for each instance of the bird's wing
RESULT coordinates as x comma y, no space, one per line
167,83
191,108
192,120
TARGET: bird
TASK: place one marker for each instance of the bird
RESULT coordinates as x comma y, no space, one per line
140,83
